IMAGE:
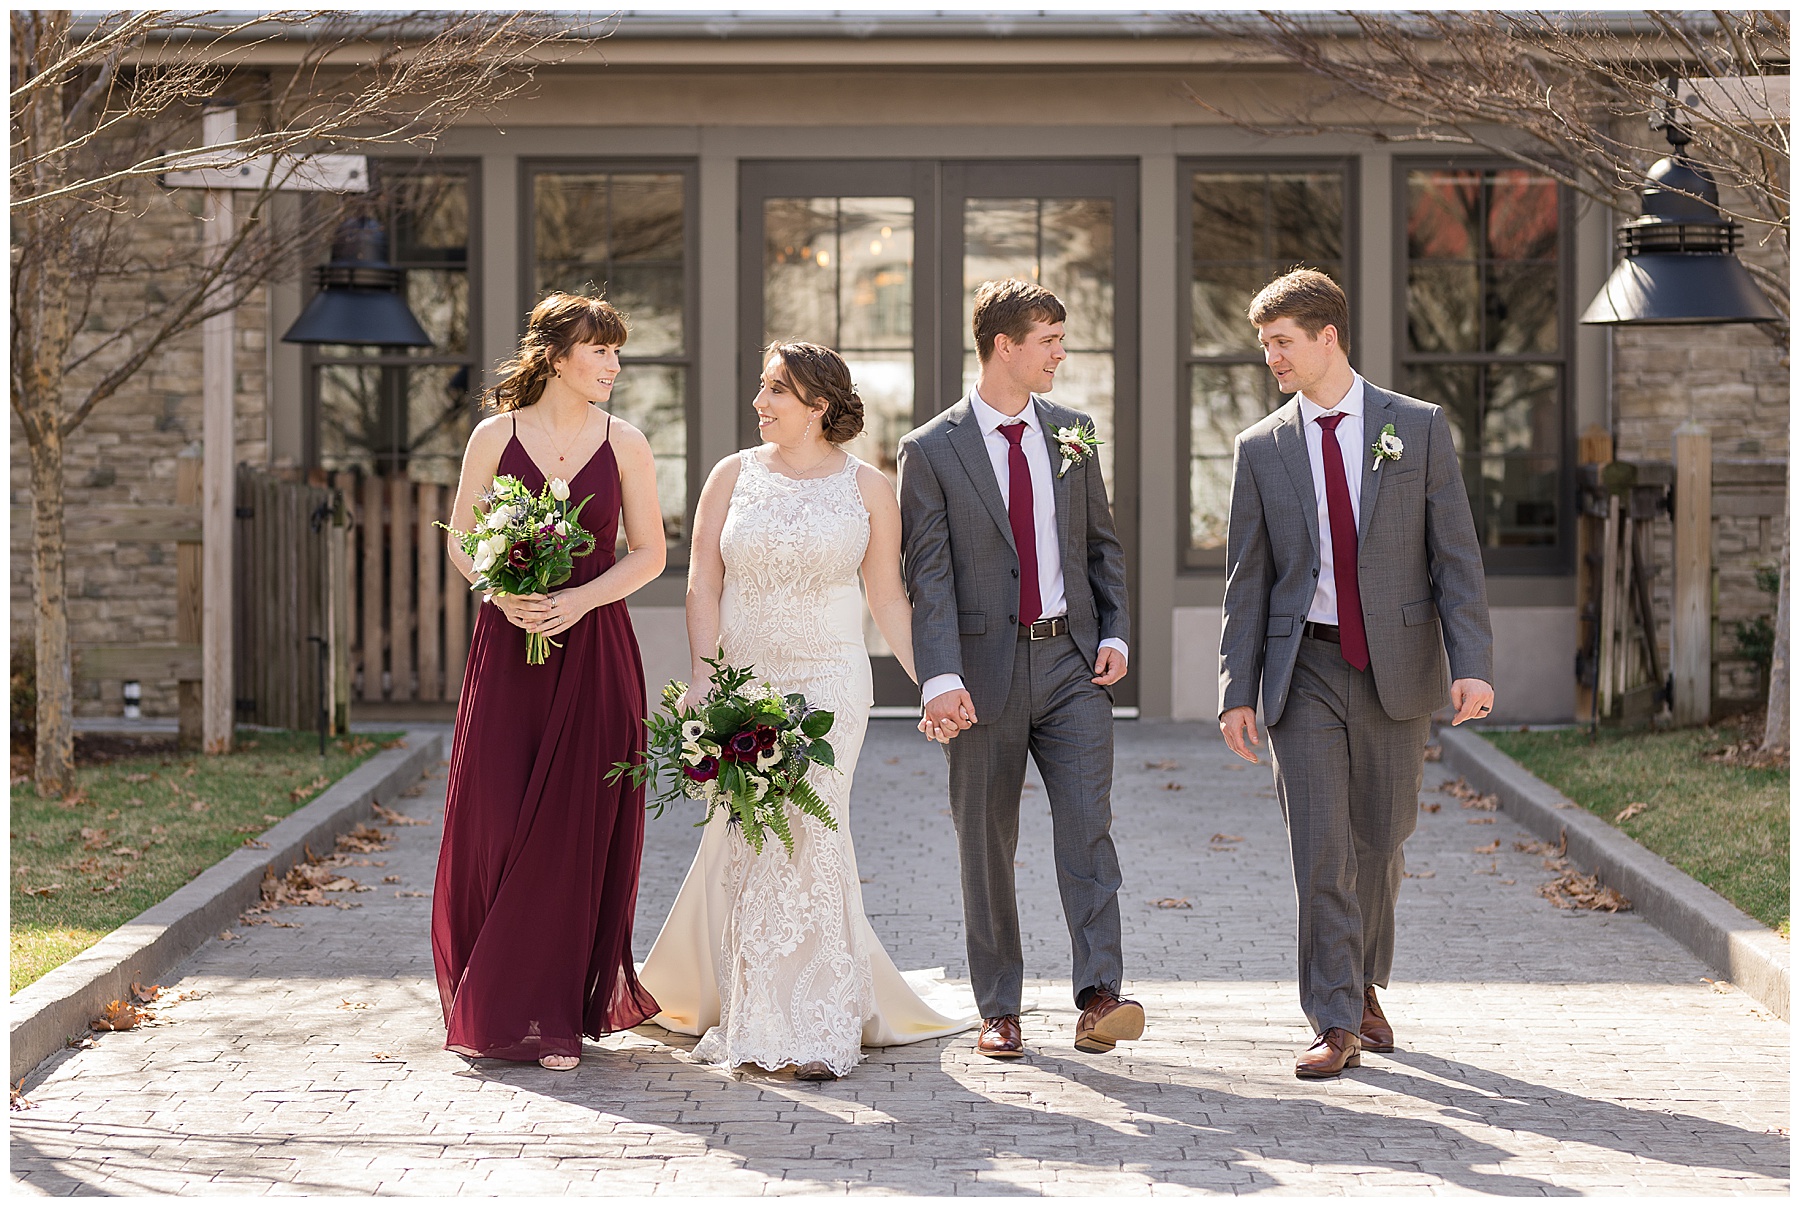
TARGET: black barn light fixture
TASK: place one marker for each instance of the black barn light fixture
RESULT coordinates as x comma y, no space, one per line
358,300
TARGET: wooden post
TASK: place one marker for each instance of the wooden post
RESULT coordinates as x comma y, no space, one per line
431,569
400,581
187,598
1609,606
374,542
338,604
218,374
1595,448
1690,629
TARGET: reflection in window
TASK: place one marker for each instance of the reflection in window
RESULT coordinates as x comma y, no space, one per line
407,412
624,236
1246,229
838,271
1066,245
1484,338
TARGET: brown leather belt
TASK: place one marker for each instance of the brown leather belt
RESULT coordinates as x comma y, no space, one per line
1049,626
1322,632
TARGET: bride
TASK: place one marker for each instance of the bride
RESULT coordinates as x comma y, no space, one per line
769,957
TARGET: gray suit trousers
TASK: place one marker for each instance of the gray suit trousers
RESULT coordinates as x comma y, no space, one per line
1347,775
1064,721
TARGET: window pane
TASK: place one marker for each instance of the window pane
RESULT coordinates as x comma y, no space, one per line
1222,294
647,217
1229,215
649,295
653,398
350,416
431,219
1209,501
1443,219
1456,388
439,299
1521,501
571,218
800,289
1522,414
884,381
1522,308
1522,216
1306,218
1077,267
1443,307
439,417
875,249
1223,400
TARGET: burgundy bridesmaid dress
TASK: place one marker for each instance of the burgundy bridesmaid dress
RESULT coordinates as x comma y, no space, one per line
537,876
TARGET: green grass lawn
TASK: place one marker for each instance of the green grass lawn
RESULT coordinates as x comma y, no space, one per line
1726,826
139,828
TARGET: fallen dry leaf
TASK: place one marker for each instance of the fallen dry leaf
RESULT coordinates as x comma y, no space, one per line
226,936
1468,797
17,1100
407,892
1480,821
118,1016
1171,786
1224,838
1543,848
300,792
1420,875
1429,806
1163,765
347,1004
127,852
198,806
1632,810
415,790
363,838
394,818
48,890
1509,882
1719,986
355,746
1577,890
137,777
1172,903
1489,849
255,844
93,839
392,880
1434,754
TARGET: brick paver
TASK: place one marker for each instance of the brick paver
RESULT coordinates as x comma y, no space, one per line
1542,1051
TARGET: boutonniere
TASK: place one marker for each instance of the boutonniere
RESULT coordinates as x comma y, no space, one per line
1076,444
1387,447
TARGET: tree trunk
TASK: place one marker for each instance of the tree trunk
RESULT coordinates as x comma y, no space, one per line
55,771
1775,727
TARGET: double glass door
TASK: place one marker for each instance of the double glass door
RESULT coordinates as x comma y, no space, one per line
881,259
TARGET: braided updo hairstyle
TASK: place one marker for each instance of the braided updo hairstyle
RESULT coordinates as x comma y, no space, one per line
556,325
823,380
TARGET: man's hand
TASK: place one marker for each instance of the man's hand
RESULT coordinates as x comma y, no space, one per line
948,714
1239,727
1109,667
1472,699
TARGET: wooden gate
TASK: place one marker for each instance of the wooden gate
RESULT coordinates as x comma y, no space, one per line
413,610
290,642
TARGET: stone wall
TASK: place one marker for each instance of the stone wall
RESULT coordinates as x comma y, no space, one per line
125,453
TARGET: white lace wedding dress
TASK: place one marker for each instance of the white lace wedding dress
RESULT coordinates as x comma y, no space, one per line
769,957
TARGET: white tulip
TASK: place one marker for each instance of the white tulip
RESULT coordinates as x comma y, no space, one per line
559,490
484,559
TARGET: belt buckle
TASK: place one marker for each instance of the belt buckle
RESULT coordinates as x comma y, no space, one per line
1047,625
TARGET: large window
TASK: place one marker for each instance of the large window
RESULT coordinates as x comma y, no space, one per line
1246,224
408,412
624,232
1486,336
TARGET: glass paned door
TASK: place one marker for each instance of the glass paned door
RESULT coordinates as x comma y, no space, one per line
1071,227
880,260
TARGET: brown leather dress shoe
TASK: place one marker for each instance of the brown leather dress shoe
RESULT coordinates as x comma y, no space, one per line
1106,1020
1330,1054
1000,1038
1377,1034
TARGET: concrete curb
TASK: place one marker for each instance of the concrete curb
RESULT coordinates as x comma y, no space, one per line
58,1005
1752,957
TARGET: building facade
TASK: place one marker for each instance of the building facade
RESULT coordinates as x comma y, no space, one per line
732,182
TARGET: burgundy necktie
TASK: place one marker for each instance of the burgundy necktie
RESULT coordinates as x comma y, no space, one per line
1020,515
1351,637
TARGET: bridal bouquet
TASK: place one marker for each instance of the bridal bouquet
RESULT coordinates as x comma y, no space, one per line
525,544
738,751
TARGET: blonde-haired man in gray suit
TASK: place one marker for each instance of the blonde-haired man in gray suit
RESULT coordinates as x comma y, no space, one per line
1354,571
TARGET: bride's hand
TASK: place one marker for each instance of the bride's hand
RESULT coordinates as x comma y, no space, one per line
524,611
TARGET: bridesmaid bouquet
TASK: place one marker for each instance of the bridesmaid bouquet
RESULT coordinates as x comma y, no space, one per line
525,544
744,753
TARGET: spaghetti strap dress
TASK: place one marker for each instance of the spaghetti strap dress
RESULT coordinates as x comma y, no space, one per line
538,872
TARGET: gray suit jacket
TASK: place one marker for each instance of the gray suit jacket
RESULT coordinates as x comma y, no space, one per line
1418,562
962,570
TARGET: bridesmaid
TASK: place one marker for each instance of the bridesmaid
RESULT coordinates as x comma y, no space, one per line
537,876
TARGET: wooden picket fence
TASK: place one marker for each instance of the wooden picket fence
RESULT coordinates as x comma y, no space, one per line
413,610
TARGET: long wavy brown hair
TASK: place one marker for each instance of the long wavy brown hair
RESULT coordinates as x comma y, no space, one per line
556,325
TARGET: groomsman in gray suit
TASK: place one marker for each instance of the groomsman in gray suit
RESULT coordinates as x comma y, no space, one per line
1019,631
1354,568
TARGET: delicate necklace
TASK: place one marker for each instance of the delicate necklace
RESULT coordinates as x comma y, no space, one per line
802,473
550,433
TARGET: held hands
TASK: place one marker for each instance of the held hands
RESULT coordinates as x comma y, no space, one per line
1473,699
1238,725
946,715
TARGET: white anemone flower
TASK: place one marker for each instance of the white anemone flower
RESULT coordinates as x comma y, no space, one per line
759,787
767,759
691,731
1391,445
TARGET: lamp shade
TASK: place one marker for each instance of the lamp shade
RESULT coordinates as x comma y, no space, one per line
358,301
1679,264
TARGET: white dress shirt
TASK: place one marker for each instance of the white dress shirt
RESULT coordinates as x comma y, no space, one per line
1036,446
1349,434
